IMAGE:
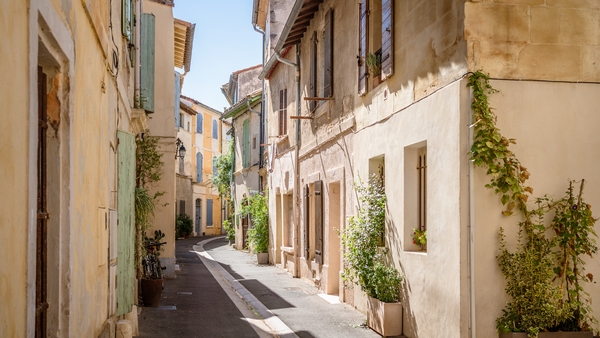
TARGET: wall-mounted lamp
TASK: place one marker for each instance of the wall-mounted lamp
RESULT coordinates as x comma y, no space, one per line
179,149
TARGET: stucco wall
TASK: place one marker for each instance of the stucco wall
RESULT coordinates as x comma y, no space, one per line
14,142
537,39
162,124
555,128
431,293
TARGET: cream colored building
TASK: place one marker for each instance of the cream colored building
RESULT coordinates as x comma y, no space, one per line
541,55
201,131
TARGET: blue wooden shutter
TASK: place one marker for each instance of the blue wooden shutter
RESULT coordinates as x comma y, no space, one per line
215,130
246,144
126,19
209,212
199,167
177,94
126,217
147,63
199,122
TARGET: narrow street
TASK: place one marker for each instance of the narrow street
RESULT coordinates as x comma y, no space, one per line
233,303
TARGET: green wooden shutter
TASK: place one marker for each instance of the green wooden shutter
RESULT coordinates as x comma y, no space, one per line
126,222
363,28
319,222
387,38
147,63
328,62
246,144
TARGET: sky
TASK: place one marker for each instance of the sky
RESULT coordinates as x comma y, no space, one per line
224,41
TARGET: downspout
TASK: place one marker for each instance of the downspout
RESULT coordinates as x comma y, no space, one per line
137,42
296,161
471,230
263,117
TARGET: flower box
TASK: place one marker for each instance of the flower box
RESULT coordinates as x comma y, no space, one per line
384,318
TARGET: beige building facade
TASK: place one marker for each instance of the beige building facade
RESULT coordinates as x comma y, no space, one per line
412,117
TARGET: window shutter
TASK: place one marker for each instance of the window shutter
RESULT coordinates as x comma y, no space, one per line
319,222
209,212
328,62
126,19
199,122
387,39
306,222
214,165
362,46
199,167
215,130
177,93
246,144
313,71
147,63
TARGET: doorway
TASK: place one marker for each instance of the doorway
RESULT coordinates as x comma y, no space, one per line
198,216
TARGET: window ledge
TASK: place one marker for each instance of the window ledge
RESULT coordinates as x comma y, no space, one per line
287,249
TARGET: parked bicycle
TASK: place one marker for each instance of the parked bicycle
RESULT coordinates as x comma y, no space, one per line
152,268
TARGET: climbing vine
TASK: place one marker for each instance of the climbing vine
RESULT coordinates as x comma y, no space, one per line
548,258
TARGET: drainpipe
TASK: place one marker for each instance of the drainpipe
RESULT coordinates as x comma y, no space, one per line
263,117
296,162
137,42
471,230
252,110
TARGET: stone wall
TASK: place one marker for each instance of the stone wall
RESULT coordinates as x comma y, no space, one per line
556,40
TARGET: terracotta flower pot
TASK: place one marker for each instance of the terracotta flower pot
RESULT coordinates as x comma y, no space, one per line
384,318
152,291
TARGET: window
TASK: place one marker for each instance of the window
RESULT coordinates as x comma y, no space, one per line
375,41
209,212
181,121
199,121
283,111
181,207
254,142
313,221
214,166
199,165
415,192
188,126
215,129
246,144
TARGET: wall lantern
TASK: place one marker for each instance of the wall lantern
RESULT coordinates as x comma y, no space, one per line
179,149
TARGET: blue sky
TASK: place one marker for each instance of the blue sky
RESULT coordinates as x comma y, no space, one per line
223,43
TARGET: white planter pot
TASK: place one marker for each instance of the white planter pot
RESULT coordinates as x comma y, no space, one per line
263,257
384,318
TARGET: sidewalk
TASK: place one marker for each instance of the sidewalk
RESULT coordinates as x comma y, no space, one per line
239,298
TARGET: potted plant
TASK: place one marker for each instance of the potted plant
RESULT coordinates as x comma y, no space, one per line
548,257
152,280
420,238
229,230
373,62
364,259
258,234
183,226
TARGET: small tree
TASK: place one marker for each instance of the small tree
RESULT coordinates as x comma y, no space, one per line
258,234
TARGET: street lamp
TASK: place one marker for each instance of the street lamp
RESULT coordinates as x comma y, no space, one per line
179,149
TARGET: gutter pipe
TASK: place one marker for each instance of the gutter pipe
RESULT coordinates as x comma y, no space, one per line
263,117
471,230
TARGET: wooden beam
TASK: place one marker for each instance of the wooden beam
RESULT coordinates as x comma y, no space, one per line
301,117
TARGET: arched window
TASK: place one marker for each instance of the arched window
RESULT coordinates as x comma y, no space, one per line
215,130
199,167
199,123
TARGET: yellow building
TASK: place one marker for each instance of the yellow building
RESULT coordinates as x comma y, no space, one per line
202,133
68,160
